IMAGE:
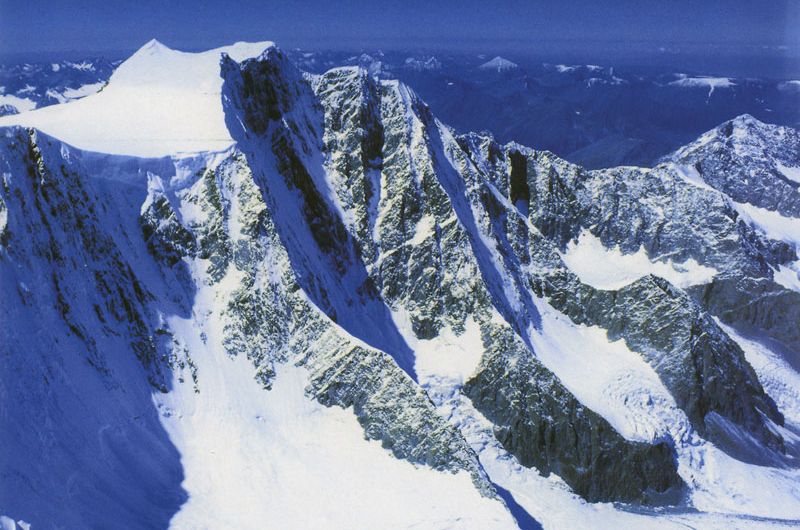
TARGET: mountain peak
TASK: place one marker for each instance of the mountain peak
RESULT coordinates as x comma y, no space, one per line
746,129
747,121
735,134
158,102
501,64
750,161
154,45
423,63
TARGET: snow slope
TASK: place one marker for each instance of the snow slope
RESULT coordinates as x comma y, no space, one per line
781,381
772,224
604,268
99,448
790,172
277,459
157,103
781,228
617,383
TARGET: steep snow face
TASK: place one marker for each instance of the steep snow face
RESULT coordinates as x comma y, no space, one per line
605,268
157,103
226,449
281,458
82,445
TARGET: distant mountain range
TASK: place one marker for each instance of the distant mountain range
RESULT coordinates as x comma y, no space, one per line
592,115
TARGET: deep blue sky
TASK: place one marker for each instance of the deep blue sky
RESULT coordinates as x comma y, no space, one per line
105,25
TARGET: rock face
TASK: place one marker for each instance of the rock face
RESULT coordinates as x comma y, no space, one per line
346,209
358,99
655,210
8,109
544,426
752,164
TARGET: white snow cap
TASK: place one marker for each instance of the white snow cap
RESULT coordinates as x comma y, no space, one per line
159,102
711,83
500,64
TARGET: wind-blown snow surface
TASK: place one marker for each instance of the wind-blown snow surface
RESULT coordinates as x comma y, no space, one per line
157,103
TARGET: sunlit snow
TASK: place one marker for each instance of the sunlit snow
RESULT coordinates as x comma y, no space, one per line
76,93
157,103
790,172
778,227
604,268
277,459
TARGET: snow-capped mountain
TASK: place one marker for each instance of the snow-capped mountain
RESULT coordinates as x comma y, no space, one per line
158,102
499,64
423,63
749,161
261,298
